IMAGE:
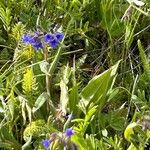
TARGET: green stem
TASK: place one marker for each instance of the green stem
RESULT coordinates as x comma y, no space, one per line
55,61
47,76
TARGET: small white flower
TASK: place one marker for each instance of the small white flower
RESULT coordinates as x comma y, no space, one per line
136,2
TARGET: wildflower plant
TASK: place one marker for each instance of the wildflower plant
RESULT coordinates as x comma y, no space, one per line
61,138
41,41
38,40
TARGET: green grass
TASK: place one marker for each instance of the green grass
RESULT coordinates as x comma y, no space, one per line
96,81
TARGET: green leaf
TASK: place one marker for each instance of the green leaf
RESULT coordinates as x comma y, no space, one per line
64,98
117,123
73,98
91,142
88,117
5,145
80,141
29,111
5,17
40,101
44,67
129,130
23,107
8,139
144,60
96,90
11,108
90,113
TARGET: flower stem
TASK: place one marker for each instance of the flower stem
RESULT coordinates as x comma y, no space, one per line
47,79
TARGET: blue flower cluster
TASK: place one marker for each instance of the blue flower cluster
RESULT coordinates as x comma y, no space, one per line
36,39
68,133
53,39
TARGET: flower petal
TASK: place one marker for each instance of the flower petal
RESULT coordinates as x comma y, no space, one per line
53,43
69,132
48,37
59,36
46,143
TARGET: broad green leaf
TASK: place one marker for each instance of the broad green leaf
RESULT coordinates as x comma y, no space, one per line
73,98
117,123
40,101
96,90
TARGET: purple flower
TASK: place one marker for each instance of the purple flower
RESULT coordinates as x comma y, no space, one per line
69,132
27,39
37,45
59,36
46,143
53,43
35,40
48,37
53,39
32,40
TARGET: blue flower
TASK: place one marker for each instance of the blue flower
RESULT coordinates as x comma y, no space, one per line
27,39
53,39
59,36
32,40
37,45
46,143
35,40
69,132
48,37
53,43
